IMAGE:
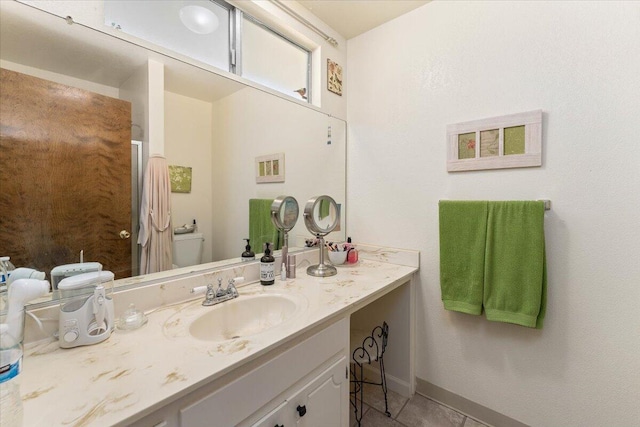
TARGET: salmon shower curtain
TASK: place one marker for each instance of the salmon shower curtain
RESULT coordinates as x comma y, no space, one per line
156,235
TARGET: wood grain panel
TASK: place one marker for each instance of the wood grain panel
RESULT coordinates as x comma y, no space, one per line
65,169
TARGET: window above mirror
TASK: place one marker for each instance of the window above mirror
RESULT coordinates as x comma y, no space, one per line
273,60
218,34
197,29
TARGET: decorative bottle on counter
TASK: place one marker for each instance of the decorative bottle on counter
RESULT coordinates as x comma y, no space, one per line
291,266
267,270
248,254
352,253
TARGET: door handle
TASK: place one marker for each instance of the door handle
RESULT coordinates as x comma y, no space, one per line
124,234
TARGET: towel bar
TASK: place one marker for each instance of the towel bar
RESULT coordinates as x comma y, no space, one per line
547,204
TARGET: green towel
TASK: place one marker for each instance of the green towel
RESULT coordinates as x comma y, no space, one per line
492,257
463,228
261,228
324,208
515,277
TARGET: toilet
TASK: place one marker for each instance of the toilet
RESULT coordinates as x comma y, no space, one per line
187,249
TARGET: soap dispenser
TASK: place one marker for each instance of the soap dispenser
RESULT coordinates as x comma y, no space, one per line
267,270
248,254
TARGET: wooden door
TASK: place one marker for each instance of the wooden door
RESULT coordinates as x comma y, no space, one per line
65,175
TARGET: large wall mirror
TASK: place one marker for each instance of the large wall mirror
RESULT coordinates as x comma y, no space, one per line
215,126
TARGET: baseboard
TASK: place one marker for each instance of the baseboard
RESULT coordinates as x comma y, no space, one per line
466,406
401,387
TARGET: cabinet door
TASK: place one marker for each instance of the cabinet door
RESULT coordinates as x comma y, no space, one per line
324,401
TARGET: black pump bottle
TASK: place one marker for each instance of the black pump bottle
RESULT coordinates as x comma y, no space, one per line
267,270
248,254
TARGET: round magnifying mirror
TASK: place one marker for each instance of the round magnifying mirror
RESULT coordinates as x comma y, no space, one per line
284,215
321,216
284,212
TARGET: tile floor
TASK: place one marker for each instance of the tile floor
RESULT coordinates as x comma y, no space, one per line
418,411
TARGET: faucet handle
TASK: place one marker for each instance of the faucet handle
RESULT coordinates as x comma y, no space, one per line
220,292
209,296
231,288
199,290
211,293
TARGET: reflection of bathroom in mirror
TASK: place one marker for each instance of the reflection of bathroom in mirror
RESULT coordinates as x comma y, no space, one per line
210,122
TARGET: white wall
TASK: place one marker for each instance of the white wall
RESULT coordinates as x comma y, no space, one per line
189,142
449,62
136,90
156,107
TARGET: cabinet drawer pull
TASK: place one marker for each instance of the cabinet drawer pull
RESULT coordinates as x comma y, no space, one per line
301,410
279,425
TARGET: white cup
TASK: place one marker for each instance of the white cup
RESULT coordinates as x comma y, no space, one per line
337,258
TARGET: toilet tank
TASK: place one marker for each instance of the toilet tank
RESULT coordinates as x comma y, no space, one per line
187,249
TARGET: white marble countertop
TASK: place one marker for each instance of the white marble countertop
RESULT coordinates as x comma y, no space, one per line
134,373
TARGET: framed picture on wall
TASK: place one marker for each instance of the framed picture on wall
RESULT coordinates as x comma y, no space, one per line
511,141
270,168
334,77
180,178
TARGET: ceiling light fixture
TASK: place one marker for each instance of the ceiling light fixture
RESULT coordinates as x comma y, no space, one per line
199,19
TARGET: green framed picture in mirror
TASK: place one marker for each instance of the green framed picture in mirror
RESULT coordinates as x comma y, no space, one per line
180,177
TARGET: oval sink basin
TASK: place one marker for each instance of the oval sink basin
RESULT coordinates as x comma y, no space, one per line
244,316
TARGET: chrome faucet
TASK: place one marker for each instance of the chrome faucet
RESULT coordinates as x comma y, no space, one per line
215,296
219,292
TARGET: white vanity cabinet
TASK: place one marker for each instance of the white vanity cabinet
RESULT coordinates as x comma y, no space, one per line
320,403
303,383
176,380
278,417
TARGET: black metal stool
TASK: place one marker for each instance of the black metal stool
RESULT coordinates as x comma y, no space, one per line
371,350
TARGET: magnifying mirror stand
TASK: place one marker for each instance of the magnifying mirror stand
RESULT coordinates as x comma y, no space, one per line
322,269
320,224
284,214
284,251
